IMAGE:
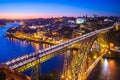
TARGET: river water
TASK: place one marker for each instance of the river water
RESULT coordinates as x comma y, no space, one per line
107,69
12,48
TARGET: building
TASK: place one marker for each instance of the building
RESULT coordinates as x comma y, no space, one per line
80,20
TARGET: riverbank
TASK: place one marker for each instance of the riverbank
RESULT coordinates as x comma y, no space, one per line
37,40
113,55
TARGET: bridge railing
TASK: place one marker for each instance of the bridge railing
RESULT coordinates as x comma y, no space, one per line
15,63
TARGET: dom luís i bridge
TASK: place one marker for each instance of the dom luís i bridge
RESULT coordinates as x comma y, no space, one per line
90,48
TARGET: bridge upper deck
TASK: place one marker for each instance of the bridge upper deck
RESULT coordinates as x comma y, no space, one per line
23,60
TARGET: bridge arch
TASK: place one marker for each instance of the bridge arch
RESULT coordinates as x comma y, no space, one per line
89,51
76,67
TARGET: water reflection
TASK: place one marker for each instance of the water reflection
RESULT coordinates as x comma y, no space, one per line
108,70
12,48
36,46
45,45
105,68
105,65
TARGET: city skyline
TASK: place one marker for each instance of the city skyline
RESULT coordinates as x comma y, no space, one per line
24,9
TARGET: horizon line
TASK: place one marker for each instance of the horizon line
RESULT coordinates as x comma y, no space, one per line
46,17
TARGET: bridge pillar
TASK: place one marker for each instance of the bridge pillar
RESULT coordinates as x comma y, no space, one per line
67,61
35,73
79,63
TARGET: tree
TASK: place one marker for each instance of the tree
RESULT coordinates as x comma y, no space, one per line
2,76
12,79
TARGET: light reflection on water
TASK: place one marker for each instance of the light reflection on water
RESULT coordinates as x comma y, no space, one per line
12,48
109,69
105,63
105,68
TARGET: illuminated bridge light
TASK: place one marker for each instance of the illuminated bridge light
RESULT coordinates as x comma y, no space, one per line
27,59
62,76
7,63
69,77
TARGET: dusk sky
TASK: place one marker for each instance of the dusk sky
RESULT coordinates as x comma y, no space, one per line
56,8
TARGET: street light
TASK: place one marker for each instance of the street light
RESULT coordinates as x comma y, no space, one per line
62,76
70,77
